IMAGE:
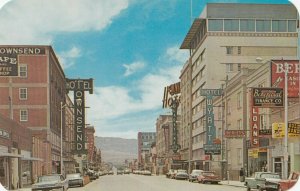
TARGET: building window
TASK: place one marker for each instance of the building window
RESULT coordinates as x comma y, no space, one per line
239,100
292,26
23,93
279,26
263,25
239,67
239,50
23,71
231,25
24,115
229,67
239,156
215,25
247,25
229,50
240,124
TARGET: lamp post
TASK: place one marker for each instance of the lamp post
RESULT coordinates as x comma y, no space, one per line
61,136
285,69
286,152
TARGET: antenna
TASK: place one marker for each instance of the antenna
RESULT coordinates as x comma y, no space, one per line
191,11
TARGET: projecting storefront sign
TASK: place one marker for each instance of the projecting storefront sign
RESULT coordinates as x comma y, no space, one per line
267,97
235,133
9,58
278,130
79,86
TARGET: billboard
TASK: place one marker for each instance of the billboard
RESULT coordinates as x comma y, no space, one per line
169,92
278,75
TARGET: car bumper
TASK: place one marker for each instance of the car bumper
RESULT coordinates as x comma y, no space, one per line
47,189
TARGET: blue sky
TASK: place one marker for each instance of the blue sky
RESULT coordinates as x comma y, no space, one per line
129,47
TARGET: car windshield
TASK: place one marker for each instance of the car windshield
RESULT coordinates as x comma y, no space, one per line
48,178
196,172
270,176
181,171
73,175
208,173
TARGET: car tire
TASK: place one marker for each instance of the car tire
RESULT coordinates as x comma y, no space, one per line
248,188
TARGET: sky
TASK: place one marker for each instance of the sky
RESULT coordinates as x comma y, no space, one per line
129,47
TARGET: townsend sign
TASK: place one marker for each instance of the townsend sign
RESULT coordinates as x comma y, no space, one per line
278,75
79,86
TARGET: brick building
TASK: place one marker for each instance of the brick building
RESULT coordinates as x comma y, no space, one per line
35,99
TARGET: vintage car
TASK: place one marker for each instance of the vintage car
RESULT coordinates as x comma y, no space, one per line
208,176
181,175
284,185
51,182
260,179
195,173
75,179
171,173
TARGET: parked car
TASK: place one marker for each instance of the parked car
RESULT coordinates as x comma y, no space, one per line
146,172
170,173
284,185
208,176
195,173
181,175
75,179
259,181
51,182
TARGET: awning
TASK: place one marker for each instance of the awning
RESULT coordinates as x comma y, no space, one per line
186,44
32,159
4,154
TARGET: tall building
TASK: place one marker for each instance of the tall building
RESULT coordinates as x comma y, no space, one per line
225,39
145,140
34,98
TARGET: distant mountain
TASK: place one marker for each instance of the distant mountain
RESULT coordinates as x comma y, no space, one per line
117,150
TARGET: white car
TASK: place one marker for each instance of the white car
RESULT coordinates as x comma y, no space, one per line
51,182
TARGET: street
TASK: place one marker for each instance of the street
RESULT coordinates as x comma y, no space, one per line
134,182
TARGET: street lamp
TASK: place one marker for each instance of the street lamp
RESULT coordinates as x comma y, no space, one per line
61,136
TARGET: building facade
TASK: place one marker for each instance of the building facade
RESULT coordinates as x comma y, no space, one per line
225,39
145,140
35,98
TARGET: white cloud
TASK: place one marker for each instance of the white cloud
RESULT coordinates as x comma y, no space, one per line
3,2
133,67
110,104
67,58
37,22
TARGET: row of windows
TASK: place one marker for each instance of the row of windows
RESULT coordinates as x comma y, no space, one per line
252,25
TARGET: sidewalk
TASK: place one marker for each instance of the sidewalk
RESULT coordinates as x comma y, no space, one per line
233,183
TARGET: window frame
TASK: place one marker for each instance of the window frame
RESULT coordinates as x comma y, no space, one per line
22,116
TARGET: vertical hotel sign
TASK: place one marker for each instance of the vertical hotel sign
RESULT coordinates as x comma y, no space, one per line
210,147
9,59
79,86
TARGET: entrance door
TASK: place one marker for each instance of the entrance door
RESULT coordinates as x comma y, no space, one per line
278,165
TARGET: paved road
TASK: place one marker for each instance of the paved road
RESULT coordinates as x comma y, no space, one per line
149,183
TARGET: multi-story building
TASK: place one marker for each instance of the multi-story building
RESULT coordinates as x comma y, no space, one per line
90,139
145,140
35,97
225,39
